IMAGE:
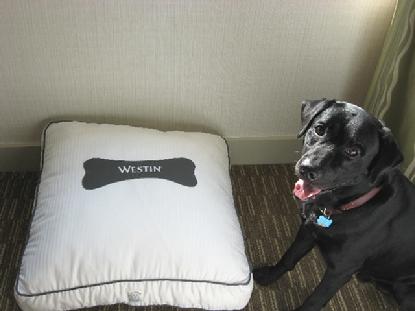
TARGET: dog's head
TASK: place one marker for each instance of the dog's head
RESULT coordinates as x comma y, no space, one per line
343,146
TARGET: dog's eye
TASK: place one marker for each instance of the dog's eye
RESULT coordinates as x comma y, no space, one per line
353,151
320,129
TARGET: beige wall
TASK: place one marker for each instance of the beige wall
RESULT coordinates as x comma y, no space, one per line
238,68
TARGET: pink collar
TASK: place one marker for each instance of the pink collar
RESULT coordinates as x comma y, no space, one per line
360,200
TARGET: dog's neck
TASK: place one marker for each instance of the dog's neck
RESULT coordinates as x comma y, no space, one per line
345,197
360,200
332,201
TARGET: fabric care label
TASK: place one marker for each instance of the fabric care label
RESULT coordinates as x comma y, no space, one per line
101,172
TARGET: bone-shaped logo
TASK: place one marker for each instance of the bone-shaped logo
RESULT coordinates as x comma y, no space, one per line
101,172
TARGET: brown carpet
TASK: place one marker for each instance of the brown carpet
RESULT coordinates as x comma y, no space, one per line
269,221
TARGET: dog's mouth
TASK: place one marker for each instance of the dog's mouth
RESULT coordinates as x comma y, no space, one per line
303,190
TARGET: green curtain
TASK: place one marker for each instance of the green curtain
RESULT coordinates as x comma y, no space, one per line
391,95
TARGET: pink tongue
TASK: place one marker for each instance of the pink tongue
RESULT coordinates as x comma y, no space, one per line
304,191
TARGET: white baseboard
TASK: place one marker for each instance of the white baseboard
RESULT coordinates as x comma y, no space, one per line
264,150
242,150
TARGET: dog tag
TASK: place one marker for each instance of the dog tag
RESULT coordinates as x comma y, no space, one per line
323,221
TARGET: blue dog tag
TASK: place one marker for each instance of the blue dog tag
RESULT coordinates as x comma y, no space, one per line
324,221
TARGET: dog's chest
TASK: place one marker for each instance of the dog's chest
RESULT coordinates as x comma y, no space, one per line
314,214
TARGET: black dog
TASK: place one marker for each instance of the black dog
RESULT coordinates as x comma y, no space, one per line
355,205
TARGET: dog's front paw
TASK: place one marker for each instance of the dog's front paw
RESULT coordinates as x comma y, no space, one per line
265,275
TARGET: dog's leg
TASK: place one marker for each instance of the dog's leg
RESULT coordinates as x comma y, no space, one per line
332,281
302,244
405,295
408,303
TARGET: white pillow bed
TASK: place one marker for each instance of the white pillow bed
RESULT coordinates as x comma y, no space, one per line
135,216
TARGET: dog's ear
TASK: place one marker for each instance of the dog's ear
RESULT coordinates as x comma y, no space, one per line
309,110
388,156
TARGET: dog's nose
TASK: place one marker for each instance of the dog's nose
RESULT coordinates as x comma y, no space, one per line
307,172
